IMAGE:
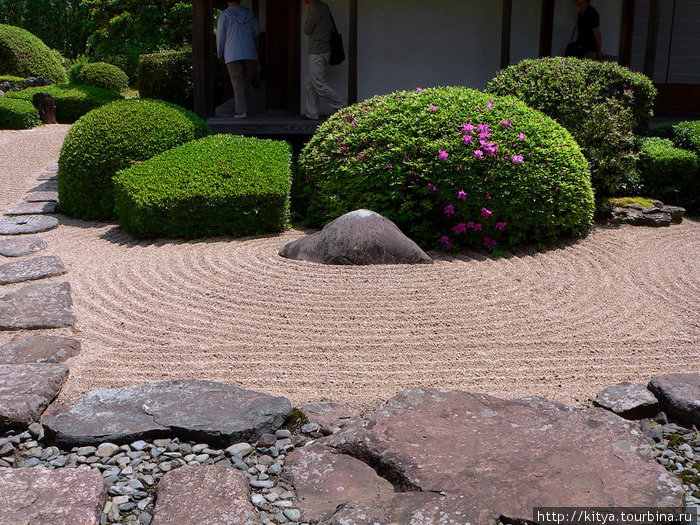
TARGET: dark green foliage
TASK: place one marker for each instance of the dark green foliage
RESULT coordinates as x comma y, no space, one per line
23,55
167,76
685,135
17,83
17,114
101,75
112,138
72,101
218,185
602,104
383,155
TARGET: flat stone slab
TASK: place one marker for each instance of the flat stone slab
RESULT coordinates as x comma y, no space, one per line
42,196
55,497
678,395
19,246
431,456
49,185
40,305
202,411
47,175
32,208
31,269
213,494
39,349
52,167
27,224
25,392
628,401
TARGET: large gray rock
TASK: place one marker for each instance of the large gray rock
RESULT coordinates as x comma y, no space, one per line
27,224
628,401
215,495
21,245
471,458
679,396
214,413
26,390
32,208
39,349
41,305
359,237
31,269
51,497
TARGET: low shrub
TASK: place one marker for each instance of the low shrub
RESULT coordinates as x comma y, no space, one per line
24,55
101,75
16,83
112,138
602,104
167,76
450,165
72,101
17,114
685,135
218,185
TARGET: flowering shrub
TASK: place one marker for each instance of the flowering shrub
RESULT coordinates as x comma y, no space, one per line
450,166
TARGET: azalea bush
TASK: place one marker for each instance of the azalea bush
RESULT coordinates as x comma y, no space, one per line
23,55
17,114
450,166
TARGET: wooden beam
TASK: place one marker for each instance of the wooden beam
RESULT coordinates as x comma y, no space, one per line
627,32
652,38
202,57
546,28
506,22
352,54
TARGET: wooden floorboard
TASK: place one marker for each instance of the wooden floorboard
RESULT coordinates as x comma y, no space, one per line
263,125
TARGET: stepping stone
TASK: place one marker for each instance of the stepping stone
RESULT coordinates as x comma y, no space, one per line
32,208
56,497
31,269
431,456
214,494
27,224
42,196
41,305
25,392
49,185
18,246
679,396
203,411
48,175
628,401
39,349
52,167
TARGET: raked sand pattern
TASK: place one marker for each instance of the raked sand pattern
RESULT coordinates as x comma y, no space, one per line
623,304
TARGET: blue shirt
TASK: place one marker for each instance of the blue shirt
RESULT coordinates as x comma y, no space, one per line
235,33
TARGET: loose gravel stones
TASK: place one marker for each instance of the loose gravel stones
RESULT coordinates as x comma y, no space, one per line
39,349
31,269
27,224
32,208
679,396
26,391
42,196
628,401
37,306
19,246
203,410
59,497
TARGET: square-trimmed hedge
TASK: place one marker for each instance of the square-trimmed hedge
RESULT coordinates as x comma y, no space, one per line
167,76
218,185
18,114
16,83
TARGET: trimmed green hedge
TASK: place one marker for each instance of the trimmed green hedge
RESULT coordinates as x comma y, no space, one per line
114,137
23,55
17,83
101,75
685,135
17,114
405,156
167,76
72,101
602,104
218,185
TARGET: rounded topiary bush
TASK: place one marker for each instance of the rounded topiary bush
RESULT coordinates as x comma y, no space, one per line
101,75
602,104
112,138
23,55
218,185
17,114
167,75
450,164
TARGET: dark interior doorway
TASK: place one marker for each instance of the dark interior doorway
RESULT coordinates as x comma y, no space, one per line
282,55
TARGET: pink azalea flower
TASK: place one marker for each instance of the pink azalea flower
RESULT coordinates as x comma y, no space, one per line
467,128
449,210
477,227
467,139
501,226
462,195
478,154
447,242
442,154
486,179
432,108
506,124
460,228
420,90
489,243
431,187
470,225
489,105
343,148
488,196
390,165
517,159
483,128
522,137
486,213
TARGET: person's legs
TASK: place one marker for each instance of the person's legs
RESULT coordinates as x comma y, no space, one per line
317,86
236,72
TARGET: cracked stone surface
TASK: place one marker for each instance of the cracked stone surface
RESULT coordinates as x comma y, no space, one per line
27,224
678,395
31,269
55,497
199,410
213,494
628,401
42,196
32,208
457,457
25,392
40,305
39,349
19,246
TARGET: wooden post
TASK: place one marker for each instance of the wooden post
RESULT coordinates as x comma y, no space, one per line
546,28
352,54
505,32
627,32
652,37
203,57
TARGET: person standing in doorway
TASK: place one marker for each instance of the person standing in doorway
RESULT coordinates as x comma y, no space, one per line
236,32
318,28
589,37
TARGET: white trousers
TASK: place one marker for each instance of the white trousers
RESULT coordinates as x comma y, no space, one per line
317,87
